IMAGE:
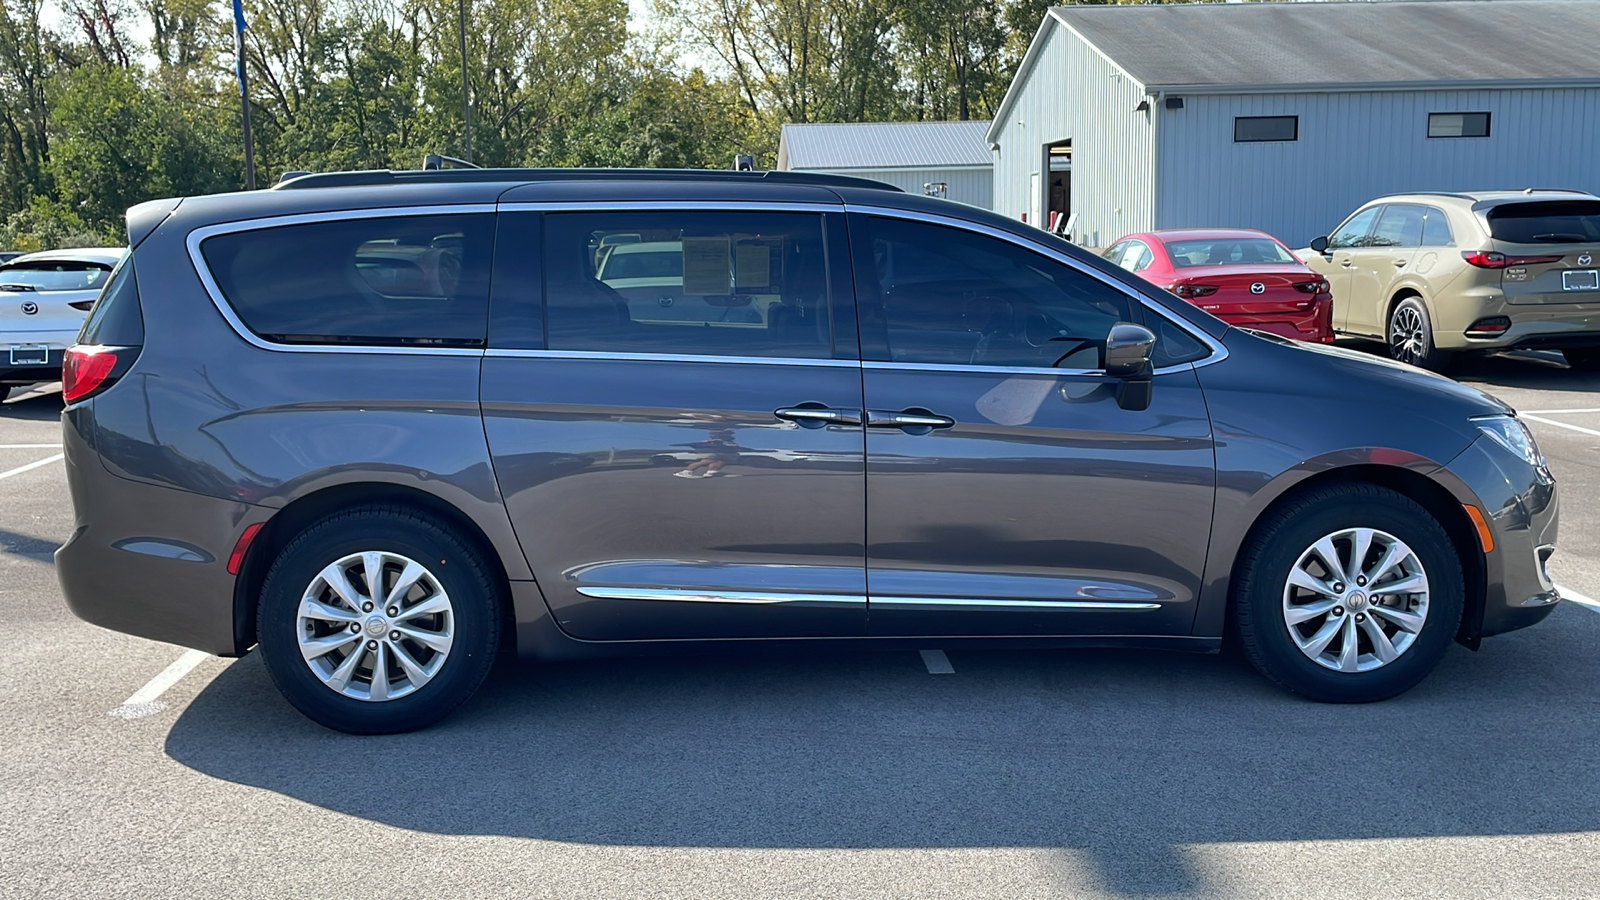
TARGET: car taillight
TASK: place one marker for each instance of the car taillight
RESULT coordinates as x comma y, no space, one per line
84,305
1312,287
1191,291
1494,326
1489,259
85,370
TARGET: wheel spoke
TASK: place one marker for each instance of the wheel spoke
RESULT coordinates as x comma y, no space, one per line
1391,558
316,648
1329,555
1360,544
372,569
1347,651
1300,578
315,609
413,669
337,581
1305,612
340,679
380,675
1381,645
1407,585
404,583
430,639
1314,645
1409,621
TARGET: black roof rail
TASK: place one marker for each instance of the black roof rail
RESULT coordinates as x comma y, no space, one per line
435,161
1454,194
375,177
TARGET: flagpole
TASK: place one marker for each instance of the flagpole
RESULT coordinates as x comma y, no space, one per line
244,96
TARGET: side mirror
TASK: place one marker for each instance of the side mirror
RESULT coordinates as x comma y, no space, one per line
1128,349
1319,244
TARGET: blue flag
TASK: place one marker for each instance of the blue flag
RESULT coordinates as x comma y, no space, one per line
238,41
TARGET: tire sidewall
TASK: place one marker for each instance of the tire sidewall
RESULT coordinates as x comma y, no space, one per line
1432,358
474,612
1265,584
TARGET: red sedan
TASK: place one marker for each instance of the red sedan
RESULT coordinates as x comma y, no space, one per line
1246,278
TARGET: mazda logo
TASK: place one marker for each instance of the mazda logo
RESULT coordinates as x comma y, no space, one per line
29,308
1585,259
1258,288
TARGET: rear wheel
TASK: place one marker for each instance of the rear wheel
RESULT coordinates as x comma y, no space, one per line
1410,334
1349,594
379,620
1584,359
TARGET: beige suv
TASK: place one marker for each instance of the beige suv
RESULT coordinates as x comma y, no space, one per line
1432,275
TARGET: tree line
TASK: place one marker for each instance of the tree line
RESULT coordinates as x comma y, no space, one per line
114,102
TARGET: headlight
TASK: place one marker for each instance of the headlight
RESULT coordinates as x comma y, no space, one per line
1510,433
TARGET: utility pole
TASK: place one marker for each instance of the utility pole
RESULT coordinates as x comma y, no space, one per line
466,103
244,95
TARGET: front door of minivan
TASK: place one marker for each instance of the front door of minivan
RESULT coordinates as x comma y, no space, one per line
679,442
1007,494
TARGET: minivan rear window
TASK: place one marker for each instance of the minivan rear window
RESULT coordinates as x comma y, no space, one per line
1546,222
116,319
391,281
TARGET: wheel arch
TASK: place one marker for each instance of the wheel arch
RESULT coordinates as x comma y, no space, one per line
1399,294
1432,496
302,512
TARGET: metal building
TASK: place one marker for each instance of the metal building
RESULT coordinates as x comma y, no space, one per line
948,159
1286,116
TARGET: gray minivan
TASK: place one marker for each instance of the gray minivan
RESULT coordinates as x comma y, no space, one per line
389,424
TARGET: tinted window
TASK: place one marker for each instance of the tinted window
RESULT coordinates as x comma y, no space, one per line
1547,222
1436,229
701,283
1251,129
953,297
1353,233
1136,257
1227,252
1401,226
54,275
116,319
413,280
1455,125
1174,345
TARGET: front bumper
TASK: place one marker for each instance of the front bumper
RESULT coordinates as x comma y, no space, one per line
1521,507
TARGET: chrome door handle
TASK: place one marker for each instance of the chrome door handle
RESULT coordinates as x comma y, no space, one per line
914,421
815,415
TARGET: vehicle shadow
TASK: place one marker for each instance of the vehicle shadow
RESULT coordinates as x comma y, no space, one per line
37,403
1125,758
1539,370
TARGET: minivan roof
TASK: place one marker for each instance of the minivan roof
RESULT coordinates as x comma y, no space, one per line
378,177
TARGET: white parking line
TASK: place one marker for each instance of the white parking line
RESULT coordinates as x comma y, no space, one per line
30,446
1570,594
937,662
1551,412
146,700
33,465
1561,424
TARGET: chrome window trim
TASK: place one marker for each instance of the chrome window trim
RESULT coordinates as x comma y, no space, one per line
804,206
1218,351
202,269
949,602
630,356
757,598
998,370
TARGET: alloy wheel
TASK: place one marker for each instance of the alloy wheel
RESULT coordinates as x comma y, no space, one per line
375,625
1356,600
1408,335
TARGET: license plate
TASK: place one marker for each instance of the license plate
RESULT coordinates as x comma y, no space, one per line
29,354
1580,280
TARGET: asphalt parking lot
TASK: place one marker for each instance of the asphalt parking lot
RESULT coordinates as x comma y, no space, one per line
1020,774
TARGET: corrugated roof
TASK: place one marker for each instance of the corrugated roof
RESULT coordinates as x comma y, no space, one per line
884,145
1345,44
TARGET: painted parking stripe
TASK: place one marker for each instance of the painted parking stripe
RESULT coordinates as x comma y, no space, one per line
1561,424
33,465
30,446
937,662
1586,602
1557,412
147,700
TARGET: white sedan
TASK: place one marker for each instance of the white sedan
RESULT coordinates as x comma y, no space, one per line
44,298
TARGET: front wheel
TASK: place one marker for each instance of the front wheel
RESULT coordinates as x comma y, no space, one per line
379,620
1349,594
1410,334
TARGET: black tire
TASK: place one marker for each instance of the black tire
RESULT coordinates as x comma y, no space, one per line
459,568
1409,335
1583,359
1275,546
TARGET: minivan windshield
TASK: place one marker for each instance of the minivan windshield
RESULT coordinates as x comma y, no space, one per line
54,275
1547,222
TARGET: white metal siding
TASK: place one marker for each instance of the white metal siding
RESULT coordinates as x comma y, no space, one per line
1073,92
1357,146
972,186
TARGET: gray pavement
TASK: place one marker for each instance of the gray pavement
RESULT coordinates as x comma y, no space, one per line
1022,774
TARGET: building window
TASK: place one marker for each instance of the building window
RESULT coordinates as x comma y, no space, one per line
1255,129
1458,125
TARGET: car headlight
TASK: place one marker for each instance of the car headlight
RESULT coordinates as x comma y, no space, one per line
1510,433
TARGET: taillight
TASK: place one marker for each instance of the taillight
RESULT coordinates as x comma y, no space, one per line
1489,259
241,547
85,370
1312,287
1494,326
1191,291
83,305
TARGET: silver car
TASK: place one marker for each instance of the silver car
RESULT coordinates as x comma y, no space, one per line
44,298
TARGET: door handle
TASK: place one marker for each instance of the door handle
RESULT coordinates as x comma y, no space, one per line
815,415
1346,263
914,420
1399,263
